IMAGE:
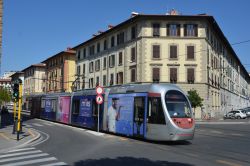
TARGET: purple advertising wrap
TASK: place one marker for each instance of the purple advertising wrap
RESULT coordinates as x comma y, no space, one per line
63,111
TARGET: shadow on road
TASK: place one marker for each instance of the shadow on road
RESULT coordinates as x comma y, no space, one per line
125,161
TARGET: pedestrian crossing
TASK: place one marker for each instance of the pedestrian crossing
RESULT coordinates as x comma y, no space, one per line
28,156
30,125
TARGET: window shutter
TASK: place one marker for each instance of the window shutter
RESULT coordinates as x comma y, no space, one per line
168,29
173,51
178,30
133,56
156,74
196,30
185,29
156,51
190,52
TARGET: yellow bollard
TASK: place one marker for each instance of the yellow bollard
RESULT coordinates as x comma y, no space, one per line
19,110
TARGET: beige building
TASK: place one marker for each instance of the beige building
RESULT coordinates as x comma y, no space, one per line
190,51
33,79
60,72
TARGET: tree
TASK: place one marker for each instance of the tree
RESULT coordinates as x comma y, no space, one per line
5,96
195,99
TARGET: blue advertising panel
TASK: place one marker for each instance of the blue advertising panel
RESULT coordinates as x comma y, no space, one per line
47,105
86,112
120,115
50,109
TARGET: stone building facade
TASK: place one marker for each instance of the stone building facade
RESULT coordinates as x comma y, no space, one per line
190,51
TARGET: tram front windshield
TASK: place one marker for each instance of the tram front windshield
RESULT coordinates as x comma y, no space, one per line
177,105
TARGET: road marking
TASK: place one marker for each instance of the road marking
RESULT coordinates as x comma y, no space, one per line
27,125
24,157
215,131
31,161
55,164
48,124
237,134
21,153
4,136
36,124
214,123
227,163
95,133
123,139
18,150
30,132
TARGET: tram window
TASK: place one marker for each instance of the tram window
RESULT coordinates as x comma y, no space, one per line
53,102
155,111
94,108
139,108
43,104
177,105
76,106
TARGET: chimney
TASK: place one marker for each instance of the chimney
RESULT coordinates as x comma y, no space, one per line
133,14
69,48
100,32
173,12
110,26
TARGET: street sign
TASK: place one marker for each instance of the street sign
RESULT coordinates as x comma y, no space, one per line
99,99
99,90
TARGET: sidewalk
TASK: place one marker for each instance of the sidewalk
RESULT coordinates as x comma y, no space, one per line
9,141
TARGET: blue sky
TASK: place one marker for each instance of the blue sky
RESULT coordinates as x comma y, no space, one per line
34,30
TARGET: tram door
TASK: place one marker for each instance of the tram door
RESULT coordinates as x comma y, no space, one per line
139,117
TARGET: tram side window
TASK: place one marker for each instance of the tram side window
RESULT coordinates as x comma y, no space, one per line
43,104
53,102
76,106
155,111
94,108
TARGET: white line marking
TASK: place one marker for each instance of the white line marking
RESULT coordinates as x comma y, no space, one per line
55,164
36,124
237,134
21,153
31,161
48,124
215,131
94,133
24,157
17,150
27,125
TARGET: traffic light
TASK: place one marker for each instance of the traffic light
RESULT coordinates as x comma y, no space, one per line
16,91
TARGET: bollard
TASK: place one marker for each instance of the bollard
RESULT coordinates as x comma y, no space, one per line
14,127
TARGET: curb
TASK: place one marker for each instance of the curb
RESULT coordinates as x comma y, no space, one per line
23,144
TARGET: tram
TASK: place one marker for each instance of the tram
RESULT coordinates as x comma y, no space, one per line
160,112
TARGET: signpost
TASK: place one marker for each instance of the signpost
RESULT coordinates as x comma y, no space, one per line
99,100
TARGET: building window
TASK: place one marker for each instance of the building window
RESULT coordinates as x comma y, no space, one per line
92,50
104,80
105,45
78,70
133,54
119,78
104,63
190,52
190,75
133,32
133,75
78,55
84,53
173,29
173,75
97,65
173,52
191,30
91,67
120,38
156,75
111,82
112,61
91,83
97,81
120,58
83,69
156,29
98,47
112,41
156,51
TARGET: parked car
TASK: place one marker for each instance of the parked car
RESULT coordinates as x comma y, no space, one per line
239,114
247,111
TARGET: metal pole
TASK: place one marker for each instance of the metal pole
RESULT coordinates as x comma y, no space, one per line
14,125
98,117
19,111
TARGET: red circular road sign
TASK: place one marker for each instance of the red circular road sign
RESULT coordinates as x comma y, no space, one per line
99,99
99,90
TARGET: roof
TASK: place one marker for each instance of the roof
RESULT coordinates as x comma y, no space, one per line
35,65
68,51
208,18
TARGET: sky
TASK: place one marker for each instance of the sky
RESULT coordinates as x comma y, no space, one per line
34,30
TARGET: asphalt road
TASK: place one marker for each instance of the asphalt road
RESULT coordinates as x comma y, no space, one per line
214,144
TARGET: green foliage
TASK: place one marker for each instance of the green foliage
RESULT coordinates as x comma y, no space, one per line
194,98
5,96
